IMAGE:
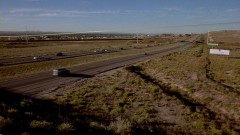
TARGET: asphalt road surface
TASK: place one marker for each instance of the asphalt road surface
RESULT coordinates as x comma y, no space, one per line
42,84
29,59
25,60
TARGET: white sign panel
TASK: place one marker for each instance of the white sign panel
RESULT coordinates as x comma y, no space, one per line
219,52
213,44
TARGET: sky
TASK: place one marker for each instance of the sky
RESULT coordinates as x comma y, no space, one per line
128,16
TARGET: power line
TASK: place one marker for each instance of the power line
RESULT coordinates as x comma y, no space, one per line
197,25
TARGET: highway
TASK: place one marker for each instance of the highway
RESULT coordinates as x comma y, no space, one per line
25,60
50,57
40,85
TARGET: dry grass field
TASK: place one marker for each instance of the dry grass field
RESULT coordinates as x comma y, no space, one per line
229,36
18,49
187,92
22,49
210,80
125,101
168,95
9,72
181,93
155,40
225,69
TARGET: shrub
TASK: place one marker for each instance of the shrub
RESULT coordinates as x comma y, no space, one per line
65,127
105,108
40,124
116,111
121,126
12,110
199,124
215,132
4,123
26,103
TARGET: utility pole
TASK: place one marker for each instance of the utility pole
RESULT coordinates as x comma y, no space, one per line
26,34
207,37
137,38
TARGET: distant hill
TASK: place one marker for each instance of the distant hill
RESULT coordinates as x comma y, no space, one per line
14,33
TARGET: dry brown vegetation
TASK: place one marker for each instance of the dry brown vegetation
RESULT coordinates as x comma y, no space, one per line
8,72
230,36
170,95
20,49
154,40
225,70
187,92
188,74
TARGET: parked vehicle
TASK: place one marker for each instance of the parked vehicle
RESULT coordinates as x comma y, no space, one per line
61,72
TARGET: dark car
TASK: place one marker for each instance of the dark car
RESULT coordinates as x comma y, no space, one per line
59,54
61,72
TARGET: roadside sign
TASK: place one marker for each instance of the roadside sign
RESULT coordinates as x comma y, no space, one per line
219,52
213,44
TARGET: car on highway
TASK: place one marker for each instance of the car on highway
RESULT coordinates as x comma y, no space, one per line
38,57
59,54
60,72
100,51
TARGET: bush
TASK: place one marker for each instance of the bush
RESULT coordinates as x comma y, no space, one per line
26,103
65,128
40,124
4,123
121,126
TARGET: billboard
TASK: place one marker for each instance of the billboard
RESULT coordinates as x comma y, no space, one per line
219,52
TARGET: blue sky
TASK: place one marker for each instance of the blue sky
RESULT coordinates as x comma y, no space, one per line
137,16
